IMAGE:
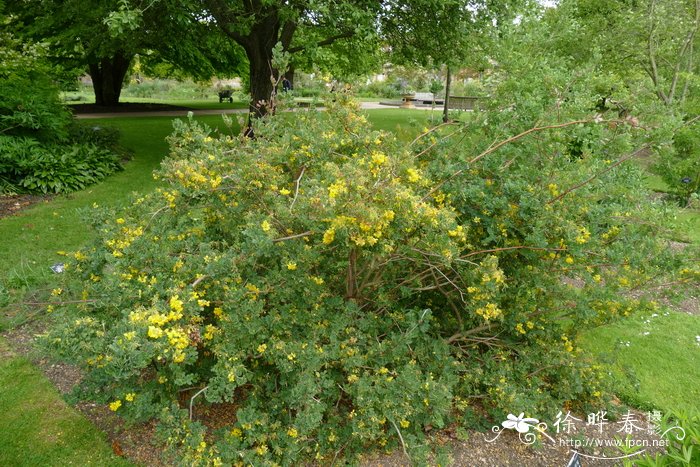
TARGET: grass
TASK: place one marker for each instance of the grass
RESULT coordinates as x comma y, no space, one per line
38,428
657,370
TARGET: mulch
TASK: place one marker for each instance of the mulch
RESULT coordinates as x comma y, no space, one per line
12,204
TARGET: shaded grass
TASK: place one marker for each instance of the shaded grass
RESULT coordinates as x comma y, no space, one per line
659,370
687,224
38,428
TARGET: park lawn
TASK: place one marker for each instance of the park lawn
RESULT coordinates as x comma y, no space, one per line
37,427
687,224
658,370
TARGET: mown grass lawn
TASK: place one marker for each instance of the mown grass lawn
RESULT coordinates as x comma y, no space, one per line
37,428
654,359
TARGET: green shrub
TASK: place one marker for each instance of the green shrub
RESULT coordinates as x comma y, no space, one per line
41,149
679,164
337,289
30,107
101,136
379,89
53,168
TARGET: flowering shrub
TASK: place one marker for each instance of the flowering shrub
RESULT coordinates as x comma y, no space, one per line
332,288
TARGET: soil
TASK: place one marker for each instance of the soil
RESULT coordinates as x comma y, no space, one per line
123,107
12,204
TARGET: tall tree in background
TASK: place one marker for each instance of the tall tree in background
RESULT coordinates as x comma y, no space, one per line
651,40
91,35
299,26
449,33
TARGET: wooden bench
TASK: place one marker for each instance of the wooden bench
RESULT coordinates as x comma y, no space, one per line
463,102
226,94
424,98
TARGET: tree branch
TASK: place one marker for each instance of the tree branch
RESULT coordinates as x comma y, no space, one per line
325,42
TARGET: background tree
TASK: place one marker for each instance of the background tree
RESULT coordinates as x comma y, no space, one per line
304,26
89,35
439,34
650,40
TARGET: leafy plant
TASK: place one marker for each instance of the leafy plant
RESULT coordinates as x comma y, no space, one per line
336,288
41,150
679,164
681,434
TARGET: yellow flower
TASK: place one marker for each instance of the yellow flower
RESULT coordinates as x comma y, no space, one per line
405,423
352,378
265,225
317,280
329,236
120,221
292,266
130,397
56,292
262,348
292,432
413,175
176,304
569,260
154,332
285,192
337,188
114,406
236,433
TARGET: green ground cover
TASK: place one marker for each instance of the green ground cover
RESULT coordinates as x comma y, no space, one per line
38,428
654,359
656,370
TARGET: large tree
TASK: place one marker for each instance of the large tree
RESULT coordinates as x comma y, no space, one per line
651,40
91,35
299,26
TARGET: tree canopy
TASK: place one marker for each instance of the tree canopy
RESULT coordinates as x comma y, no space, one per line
90,35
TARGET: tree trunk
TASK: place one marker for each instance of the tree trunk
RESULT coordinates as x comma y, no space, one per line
261,75
290,74
107,75
445,111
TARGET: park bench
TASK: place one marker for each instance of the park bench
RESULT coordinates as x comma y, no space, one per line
226,94
425,98
463,102
420,98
